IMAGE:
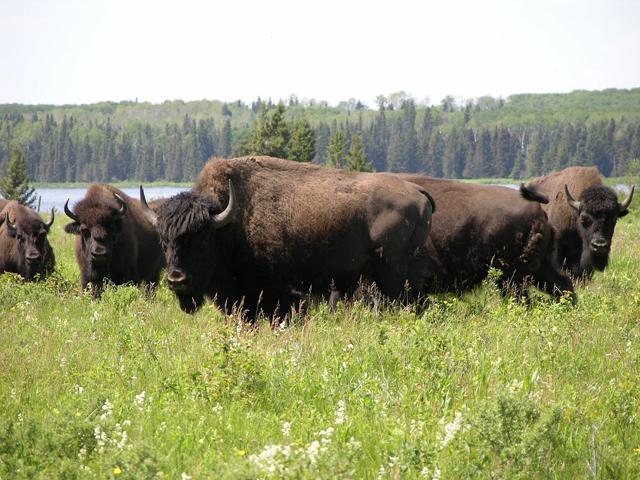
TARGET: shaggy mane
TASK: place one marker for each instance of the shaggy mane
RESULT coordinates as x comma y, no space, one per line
185,212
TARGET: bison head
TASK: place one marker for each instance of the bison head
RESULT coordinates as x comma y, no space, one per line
99,226
187,225
598,211
29,234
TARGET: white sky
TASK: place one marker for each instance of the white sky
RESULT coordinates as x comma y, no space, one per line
84,51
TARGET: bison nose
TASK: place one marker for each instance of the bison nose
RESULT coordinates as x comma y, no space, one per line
177,279
33,258
599,245
99,257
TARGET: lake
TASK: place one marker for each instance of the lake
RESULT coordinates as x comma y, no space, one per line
55,197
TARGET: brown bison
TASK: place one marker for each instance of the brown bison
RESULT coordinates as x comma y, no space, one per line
584,227
114,240
256,230
483,226
24,247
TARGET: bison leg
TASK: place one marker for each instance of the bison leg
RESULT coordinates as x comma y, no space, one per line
552,281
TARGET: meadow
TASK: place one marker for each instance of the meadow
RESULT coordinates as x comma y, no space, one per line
478,386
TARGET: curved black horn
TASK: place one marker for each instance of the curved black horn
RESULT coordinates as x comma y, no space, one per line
224,217
53,216
69,213
148,213
624,205
123,205
572,203
9,224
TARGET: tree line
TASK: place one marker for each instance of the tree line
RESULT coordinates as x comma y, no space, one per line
485,138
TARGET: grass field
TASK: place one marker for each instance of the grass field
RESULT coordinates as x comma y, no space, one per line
478,386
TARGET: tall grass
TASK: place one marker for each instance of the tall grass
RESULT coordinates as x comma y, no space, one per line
478,386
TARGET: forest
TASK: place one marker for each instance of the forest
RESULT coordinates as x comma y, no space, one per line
519,136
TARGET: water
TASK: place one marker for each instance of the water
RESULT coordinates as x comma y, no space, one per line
55,197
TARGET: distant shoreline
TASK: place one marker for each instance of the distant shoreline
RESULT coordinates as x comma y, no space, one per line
135,183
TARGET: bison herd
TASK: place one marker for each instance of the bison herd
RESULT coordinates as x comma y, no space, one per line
260,234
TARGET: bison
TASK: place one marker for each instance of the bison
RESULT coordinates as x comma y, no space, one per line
255,230
483,226
24,247
114,240
584,227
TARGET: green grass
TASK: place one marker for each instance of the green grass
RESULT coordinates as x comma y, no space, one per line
548,391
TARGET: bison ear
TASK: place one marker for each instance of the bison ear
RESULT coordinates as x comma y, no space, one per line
11,227
72,228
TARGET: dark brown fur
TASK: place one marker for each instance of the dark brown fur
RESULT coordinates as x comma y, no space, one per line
24,249
296,227
576,232
480,226
128,243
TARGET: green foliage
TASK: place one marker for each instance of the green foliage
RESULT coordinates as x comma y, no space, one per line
15,184
271,137
337,149
302,147
477,386
356,159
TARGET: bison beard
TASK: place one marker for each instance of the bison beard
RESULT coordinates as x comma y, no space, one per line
295,227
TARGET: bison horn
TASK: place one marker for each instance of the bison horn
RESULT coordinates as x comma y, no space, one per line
53,216
624,205
69,213
572,203
123,205
148,213
8,220
221,219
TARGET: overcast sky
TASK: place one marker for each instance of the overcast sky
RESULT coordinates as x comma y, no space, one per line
84,51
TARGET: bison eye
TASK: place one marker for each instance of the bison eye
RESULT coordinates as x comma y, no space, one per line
586,222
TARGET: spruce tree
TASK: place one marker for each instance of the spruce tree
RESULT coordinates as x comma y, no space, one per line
302,147
356,160
336,149
15,184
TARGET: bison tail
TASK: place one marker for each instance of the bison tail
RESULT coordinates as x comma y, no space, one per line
530,192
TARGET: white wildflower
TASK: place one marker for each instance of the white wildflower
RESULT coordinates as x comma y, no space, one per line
78,389
354,444
163,426
286,429
101,438
139,401
272,457
340,412
313,451
217,409
325,375
107,408
450,429
82,454
185,476
63,363
381,472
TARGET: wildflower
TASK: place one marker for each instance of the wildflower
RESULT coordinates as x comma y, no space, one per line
101,438
63,363
78,389
185,476
325,376
117,471
286,428
107,408
450,429
139,401
217,409
340,412
313,451
354,444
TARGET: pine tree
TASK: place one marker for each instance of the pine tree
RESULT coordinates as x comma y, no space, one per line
15,184
337,149
302,147
225,143
271,137
356,160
